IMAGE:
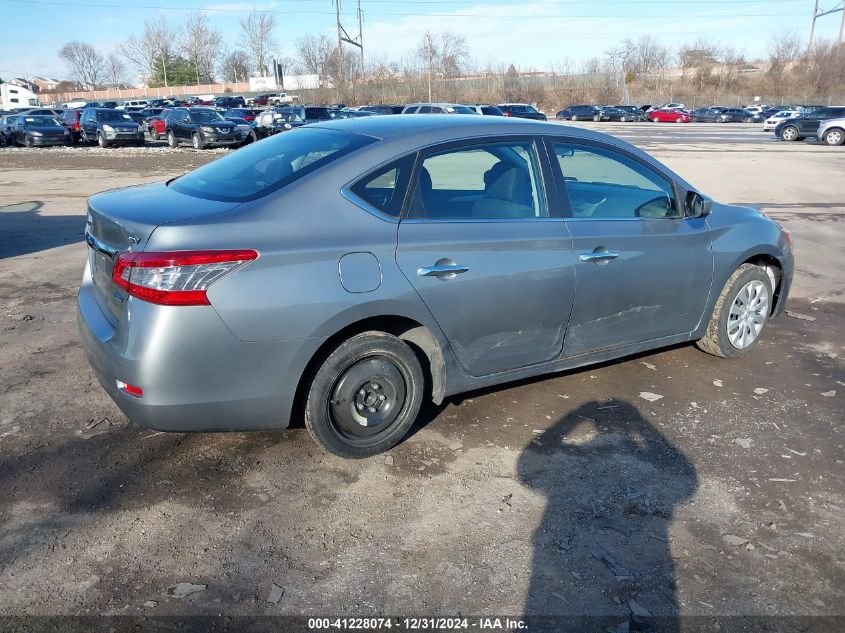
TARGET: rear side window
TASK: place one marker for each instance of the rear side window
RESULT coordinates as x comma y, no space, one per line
261,168
385,188
603,184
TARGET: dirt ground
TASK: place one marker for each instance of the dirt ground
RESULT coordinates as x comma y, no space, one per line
571,495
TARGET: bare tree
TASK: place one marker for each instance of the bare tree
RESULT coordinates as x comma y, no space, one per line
784,50
314,53
201,45
825,66
258,38
235,66
115,70
698,61
443,54
85,62
156,45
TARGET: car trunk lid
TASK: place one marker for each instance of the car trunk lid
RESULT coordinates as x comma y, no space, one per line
123,220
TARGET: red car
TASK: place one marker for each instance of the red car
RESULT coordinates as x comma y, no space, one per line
669,116
156,126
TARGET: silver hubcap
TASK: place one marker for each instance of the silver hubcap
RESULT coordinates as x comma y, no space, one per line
748,314
834,138
789,134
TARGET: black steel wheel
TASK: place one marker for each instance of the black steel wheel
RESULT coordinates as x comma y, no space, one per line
365,395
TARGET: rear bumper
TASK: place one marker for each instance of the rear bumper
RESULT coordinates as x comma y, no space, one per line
195,374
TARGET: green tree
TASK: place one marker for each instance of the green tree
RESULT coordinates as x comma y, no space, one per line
180,71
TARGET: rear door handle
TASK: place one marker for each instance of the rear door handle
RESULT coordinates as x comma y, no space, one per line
442,270
598,256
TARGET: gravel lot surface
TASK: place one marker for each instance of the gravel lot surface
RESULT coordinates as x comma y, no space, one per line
582,493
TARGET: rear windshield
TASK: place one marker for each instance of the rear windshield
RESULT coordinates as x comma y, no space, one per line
260,168
317,113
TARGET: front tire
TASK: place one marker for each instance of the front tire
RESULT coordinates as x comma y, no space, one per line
196,141
789,133
172,143
101,141
365,396
740,315
834,136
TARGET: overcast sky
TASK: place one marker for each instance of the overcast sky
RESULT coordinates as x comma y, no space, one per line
536,34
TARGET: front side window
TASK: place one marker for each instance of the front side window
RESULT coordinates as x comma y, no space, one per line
261,168
486,181
603,184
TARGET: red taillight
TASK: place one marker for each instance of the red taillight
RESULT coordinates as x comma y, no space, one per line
179,278
132,390
507,113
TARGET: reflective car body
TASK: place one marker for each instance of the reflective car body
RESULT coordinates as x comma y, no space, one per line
481,241
39,131
669,116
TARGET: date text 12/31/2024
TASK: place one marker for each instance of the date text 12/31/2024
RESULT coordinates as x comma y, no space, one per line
418,624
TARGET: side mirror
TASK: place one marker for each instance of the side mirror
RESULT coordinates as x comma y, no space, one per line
697,205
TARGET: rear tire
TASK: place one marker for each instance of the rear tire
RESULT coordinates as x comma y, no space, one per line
365,396
739,317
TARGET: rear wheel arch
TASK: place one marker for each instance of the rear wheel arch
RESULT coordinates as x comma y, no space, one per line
420,338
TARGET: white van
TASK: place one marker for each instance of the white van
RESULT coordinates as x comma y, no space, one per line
14,97
134,103
73,104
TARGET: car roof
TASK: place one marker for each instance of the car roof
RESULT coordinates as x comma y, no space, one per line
392,125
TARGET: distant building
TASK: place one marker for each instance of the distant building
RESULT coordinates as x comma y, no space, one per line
23,83
45,84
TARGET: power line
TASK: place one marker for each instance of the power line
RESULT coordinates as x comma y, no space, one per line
615,16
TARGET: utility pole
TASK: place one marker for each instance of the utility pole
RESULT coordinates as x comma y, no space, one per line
429,51
361,36
813,27
343,36
340,48
817,15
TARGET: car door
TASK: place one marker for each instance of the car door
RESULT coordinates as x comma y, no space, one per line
182,127
88,123
643,268
809,123
485,254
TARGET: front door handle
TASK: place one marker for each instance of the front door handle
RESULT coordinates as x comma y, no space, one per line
598,256
442,270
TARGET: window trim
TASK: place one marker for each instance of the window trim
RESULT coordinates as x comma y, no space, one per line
545,178
678,191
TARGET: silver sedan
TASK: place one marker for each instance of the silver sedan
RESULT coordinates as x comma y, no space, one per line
348,270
